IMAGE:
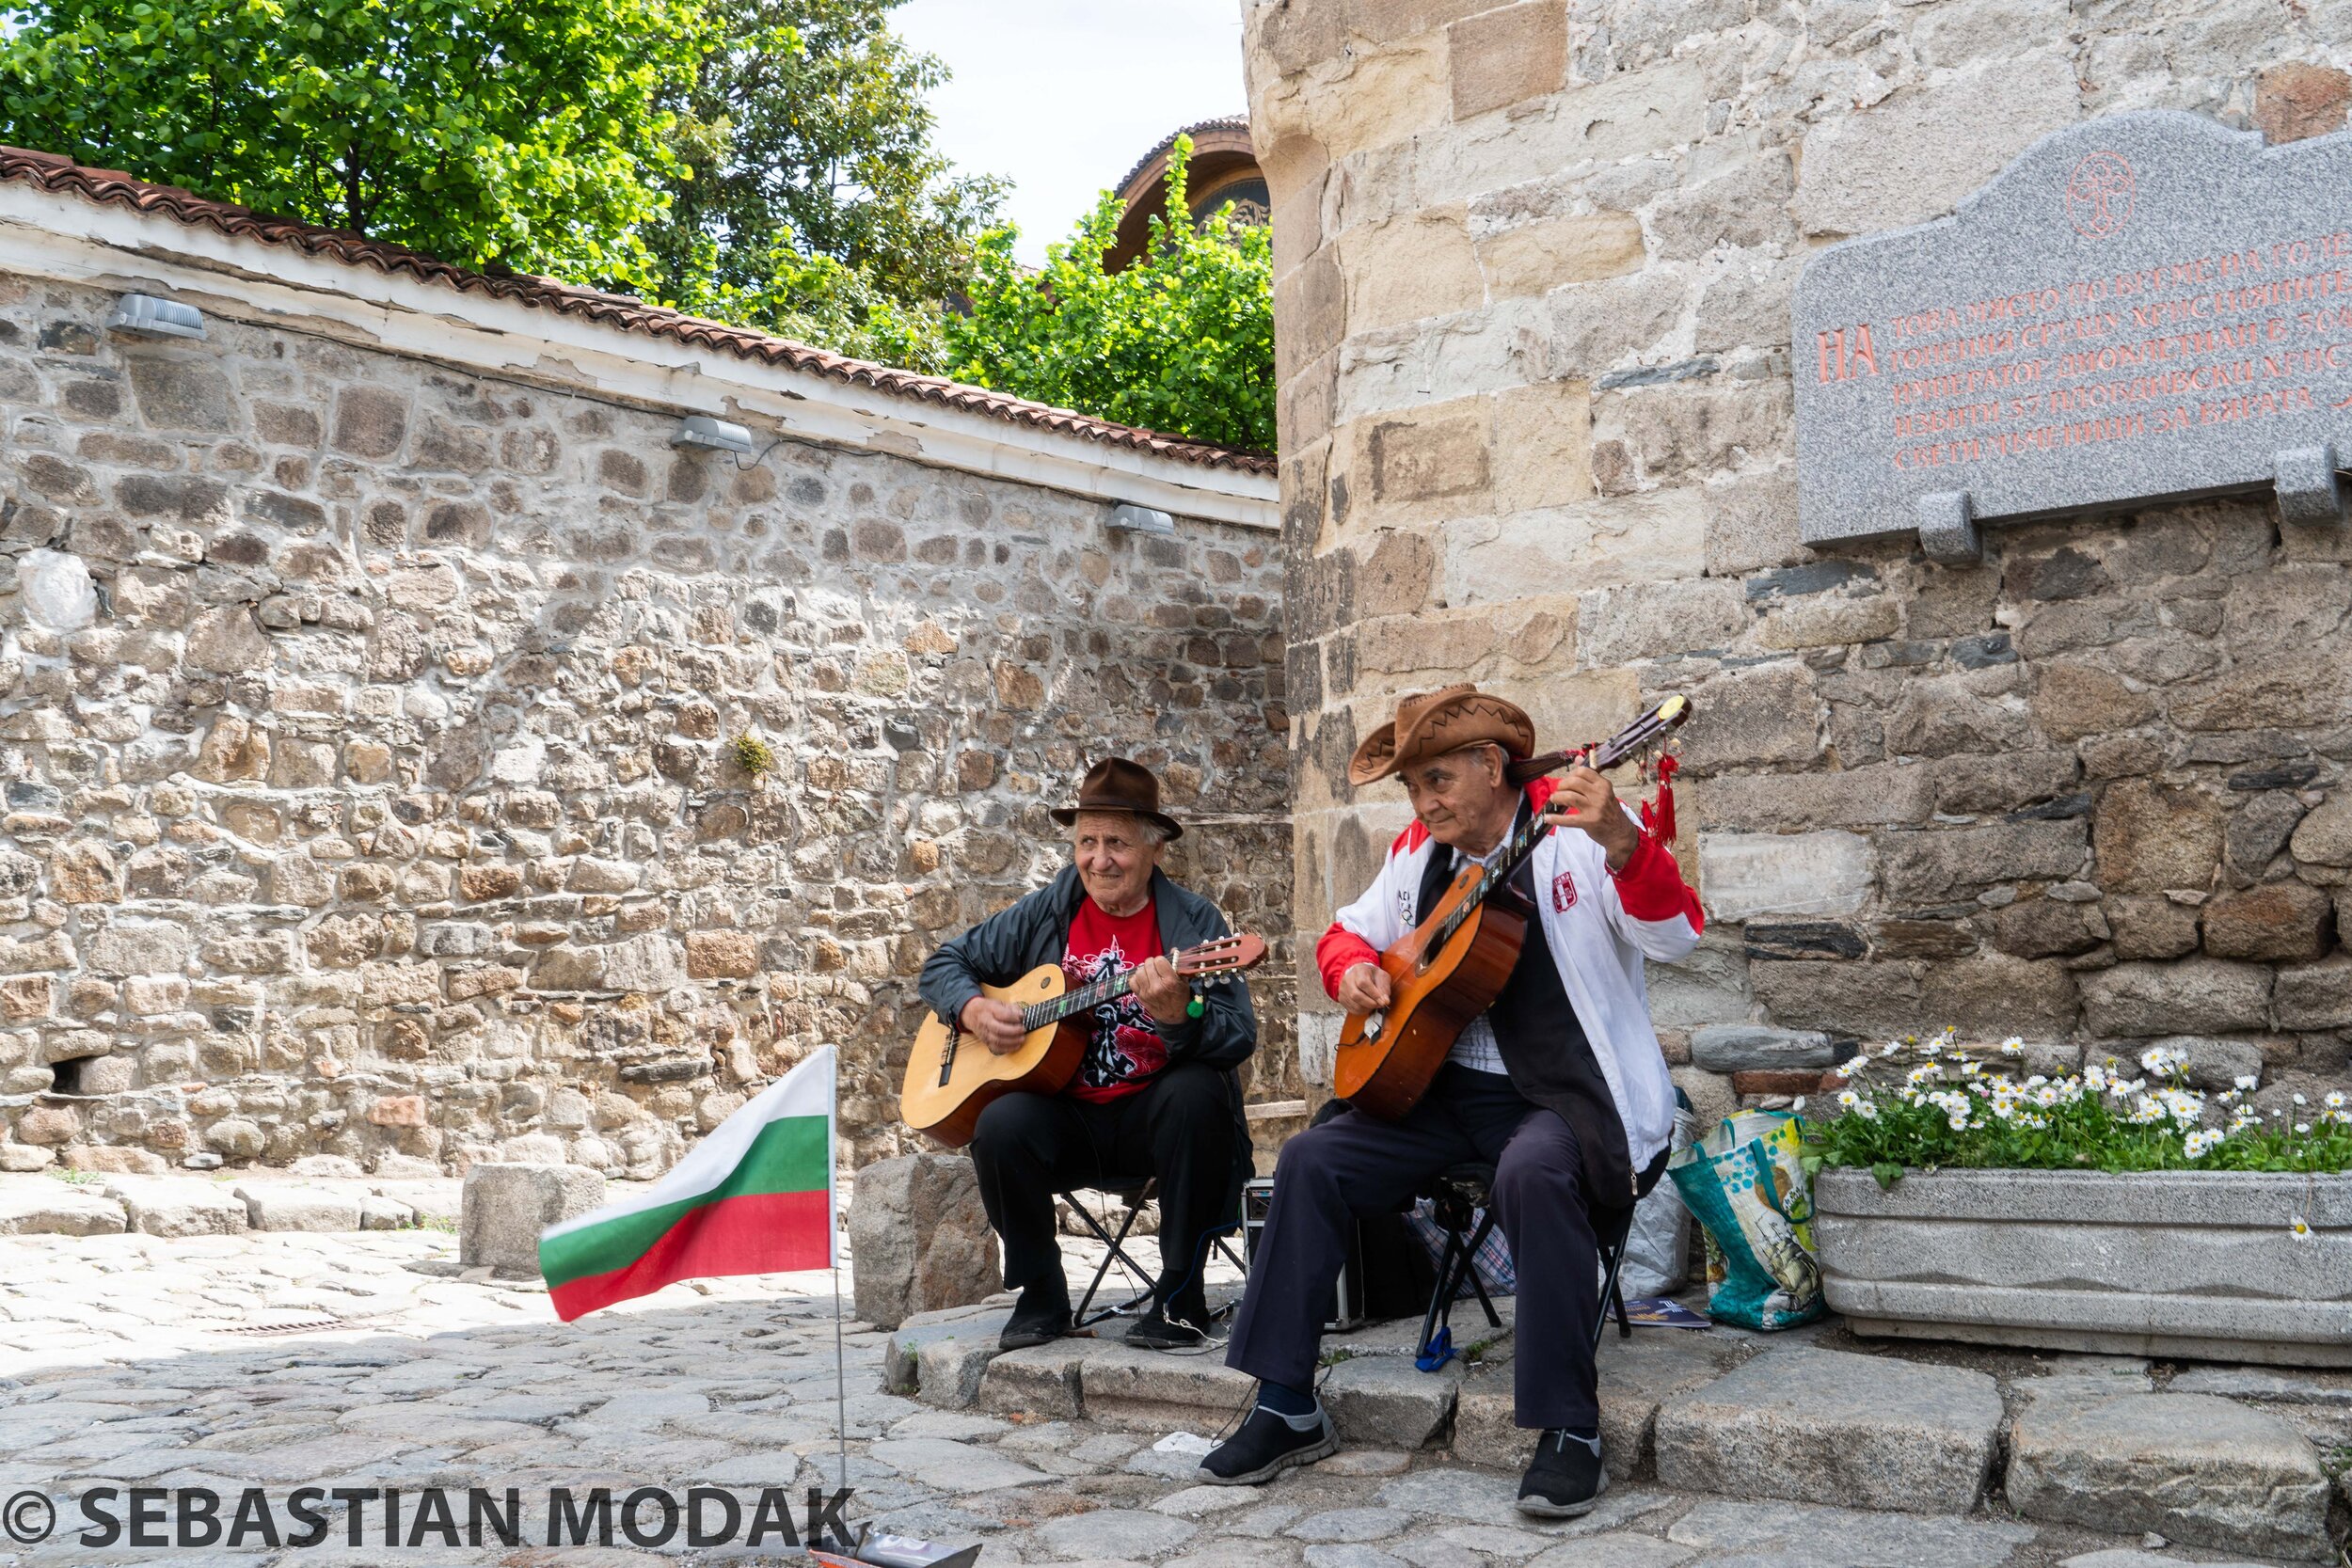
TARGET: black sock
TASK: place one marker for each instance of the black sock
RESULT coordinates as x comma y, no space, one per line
1285,1401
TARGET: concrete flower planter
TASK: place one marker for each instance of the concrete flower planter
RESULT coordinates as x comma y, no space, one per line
2183,1264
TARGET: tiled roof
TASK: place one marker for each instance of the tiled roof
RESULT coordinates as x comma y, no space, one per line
110,187
1222,122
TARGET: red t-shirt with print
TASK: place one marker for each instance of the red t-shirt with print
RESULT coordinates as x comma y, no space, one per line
1124,1050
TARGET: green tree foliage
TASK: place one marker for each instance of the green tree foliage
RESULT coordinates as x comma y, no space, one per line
1181,340
809,193
526,133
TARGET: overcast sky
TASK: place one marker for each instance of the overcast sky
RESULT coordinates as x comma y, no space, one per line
1063,96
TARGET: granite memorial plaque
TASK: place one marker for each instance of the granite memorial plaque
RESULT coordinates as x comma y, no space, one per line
2141,308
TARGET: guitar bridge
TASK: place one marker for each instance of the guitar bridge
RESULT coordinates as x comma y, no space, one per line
948,1057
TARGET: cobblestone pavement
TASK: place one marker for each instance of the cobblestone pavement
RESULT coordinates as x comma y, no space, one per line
126,1359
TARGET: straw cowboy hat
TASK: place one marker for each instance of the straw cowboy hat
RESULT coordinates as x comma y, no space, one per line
1431,724
1116,785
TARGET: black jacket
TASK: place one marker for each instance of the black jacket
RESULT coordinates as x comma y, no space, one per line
1036,931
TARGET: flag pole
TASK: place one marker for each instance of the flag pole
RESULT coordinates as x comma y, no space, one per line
832,1250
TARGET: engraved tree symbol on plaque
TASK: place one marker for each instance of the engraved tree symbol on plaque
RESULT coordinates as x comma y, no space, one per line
2099,194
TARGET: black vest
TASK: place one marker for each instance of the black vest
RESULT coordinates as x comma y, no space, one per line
1541,1039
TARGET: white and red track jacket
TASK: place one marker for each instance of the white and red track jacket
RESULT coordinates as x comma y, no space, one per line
1599,926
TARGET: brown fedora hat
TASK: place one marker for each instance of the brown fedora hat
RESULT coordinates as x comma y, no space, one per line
1431,724
1116,785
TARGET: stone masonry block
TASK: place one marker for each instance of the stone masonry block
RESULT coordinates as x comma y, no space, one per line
2197,995
1826,1426
172,1208
1537,258
1385,1401
49,1209
1756,1047
1913,155
2197,1470
288,1205
920,1237
505,1207
1504,57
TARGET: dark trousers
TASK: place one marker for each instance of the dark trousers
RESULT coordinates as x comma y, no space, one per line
1355,1166
1179,1128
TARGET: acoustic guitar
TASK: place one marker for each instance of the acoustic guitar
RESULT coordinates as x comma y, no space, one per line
952,1076
1451,967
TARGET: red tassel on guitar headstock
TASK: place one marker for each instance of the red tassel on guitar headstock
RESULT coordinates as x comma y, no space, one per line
1658,815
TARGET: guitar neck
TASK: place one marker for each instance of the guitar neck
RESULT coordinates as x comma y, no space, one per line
1036,1015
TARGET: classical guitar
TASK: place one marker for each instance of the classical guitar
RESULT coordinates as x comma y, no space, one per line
951,1076
1451,967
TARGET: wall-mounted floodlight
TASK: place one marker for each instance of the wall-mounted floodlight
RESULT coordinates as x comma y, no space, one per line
149,317
700,430
1131,518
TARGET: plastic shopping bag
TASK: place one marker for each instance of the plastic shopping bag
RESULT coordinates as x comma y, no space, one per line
1657,1249
1747,1188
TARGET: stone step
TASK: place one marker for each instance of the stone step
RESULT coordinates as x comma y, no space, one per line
1637,1375
1826,1426
2193,1468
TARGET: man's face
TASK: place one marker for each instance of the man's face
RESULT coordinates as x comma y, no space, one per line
1461,798
1114,859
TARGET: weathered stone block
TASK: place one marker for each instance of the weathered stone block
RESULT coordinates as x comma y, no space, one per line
1504,57
2295,100
505,1207
50,1208
2316,996
1913,155
2200,995
1041,1381
2324,836
2151,926
1386,1403
1756,1047
1744,875
1937,865
167,1206
1536,258
2192,1467
2278,922
273,1206
920,1237
1825,1426
2048,927
2261,828
2151,838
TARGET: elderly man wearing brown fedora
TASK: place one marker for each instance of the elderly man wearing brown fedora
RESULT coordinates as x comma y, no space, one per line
1156,1094
1559,1085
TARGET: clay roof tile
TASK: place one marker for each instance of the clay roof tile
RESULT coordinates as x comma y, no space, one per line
622,312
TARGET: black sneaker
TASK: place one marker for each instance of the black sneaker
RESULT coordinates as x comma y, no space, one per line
1042,1314
1565,1477
1156,1331
1265,1446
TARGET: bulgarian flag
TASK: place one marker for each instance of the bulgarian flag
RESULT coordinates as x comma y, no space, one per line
754,1196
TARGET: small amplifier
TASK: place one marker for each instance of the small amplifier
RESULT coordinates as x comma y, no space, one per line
1347,1304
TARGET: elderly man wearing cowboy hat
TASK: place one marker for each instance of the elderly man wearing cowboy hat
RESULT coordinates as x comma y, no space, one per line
1155,1095
1559,1085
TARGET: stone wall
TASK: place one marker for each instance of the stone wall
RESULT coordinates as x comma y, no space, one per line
370,730
1532,267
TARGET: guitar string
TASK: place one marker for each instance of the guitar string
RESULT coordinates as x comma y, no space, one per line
1038,1014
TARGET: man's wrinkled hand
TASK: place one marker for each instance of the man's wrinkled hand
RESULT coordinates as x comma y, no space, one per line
1162,994
1585,799
994,1025
1364,989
